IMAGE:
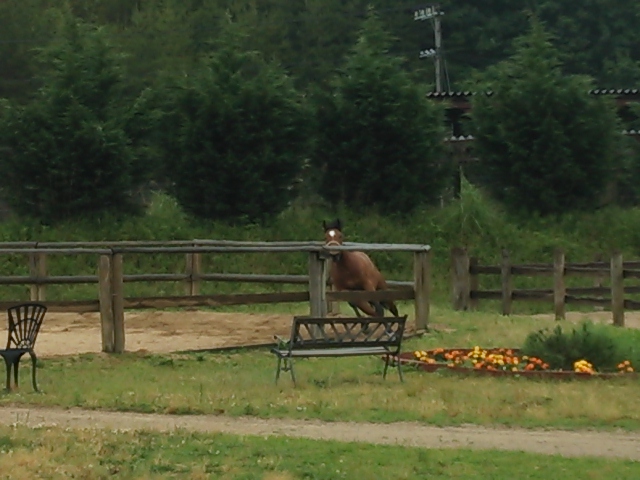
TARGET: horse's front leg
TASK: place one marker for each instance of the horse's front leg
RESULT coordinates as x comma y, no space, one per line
366,307
355,309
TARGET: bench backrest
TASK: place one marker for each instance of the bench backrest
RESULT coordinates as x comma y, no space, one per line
335,332
25,321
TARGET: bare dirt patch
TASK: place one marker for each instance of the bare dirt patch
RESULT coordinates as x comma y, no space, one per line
631,319
172,331
159,331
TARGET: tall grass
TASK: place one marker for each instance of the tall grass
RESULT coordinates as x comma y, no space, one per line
474,222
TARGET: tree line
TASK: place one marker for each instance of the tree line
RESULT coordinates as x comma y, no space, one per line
234,134
311,38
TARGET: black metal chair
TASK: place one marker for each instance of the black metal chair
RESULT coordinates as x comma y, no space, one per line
25,321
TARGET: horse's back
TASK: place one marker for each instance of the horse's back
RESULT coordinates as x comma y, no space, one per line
357,269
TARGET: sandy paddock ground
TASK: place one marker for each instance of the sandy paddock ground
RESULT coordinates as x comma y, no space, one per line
172,331
159,331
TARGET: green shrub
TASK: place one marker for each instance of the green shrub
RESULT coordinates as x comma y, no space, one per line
560,349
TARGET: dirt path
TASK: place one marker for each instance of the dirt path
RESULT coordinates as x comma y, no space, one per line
570,444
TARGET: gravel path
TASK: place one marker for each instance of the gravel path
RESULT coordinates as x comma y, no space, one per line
552,442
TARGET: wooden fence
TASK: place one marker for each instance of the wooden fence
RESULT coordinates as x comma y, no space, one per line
111,300
466,292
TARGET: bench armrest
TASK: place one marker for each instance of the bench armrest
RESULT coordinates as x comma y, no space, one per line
282,342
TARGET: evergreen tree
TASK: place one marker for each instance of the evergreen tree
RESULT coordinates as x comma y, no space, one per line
66,153
546,145
380,140
233,135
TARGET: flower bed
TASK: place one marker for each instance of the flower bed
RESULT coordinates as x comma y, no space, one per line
501,362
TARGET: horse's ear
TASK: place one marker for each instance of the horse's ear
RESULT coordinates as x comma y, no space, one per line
338,224
324,225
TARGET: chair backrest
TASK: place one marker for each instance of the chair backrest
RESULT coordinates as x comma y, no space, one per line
24,324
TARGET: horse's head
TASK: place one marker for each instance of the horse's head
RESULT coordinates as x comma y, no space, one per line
333,236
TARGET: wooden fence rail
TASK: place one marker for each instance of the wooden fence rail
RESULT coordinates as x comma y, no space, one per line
110,279
466,292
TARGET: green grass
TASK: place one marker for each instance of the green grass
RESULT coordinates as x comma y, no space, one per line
93,454
351,389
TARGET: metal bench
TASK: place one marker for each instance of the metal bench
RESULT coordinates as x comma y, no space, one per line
340,337
25,321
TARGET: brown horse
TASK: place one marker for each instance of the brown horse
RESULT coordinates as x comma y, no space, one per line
355,271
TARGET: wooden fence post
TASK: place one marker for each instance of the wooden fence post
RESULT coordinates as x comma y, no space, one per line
38,269
617,289
559,288
460,279
333,308
507,283
422,288
474,283
317,286
193,269
106,305
117,295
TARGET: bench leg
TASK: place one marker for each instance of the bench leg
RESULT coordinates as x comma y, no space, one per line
387,360
293,374
386,366
278,369
288,365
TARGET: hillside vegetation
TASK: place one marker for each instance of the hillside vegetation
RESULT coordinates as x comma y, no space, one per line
270,117
311,38
473,222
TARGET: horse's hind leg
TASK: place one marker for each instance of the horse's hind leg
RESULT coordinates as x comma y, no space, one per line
389,305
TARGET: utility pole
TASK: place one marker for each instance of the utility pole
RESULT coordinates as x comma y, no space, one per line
432,12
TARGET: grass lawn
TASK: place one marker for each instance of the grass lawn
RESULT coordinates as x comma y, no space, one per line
242,383
96,454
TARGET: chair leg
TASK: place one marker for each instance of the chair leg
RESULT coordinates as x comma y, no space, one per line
400,369
16,365
34,361
8,365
